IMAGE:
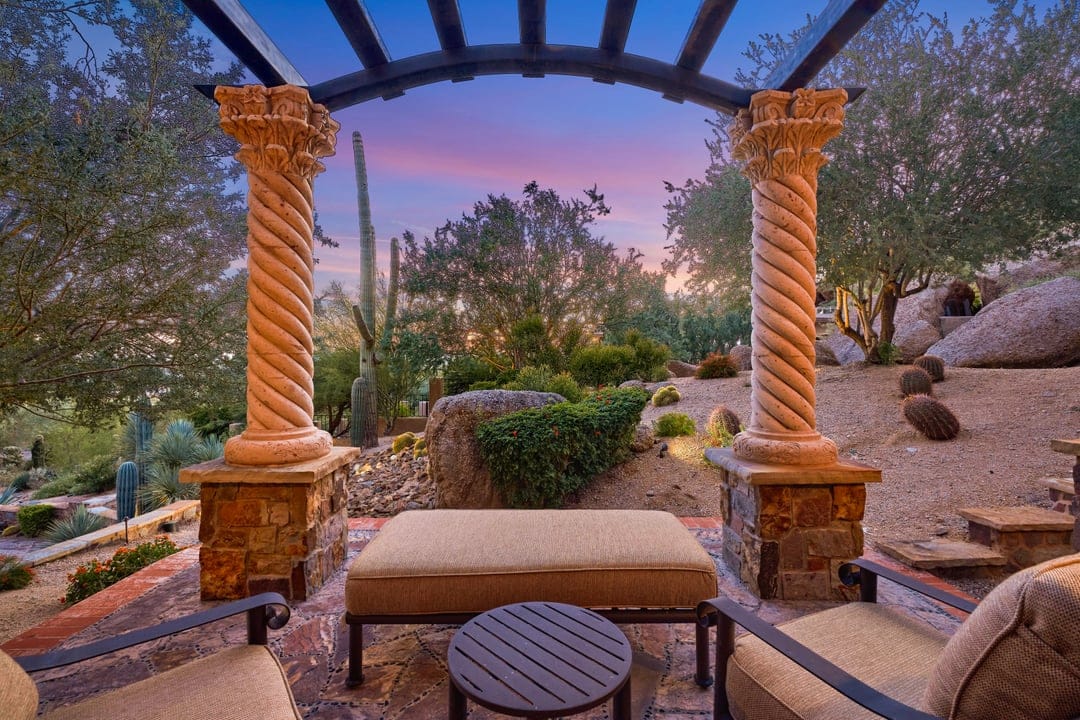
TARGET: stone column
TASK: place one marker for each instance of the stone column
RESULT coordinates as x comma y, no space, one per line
780,138
274,511
792,511
282,135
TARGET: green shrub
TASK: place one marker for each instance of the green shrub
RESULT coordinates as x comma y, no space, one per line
650,357
541,379
464,371
888,354
537,456
13,574
598,365
94,576
667,395
94,476
402,441
55,488
79,523
675,424
33,519
716,365
484,385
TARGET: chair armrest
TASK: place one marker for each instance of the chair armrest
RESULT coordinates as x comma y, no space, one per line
259,608
725,614
864,573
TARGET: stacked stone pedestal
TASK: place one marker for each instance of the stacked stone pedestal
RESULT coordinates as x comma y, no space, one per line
1072,447
787,529
279,528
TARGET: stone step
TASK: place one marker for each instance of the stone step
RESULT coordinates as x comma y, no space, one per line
1061,492
947,556
1025,535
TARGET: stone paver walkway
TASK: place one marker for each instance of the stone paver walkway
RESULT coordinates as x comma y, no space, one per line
405,666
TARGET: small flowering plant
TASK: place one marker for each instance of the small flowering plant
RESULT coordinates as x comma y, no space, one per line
13,574
96,575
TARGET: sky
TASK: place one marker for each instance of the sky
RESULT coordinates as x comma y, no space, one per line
439,149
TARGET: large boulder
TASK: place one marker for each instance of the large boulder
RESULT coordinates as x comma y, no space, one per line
917,322
741,355
844,350
681,369
455,463
1037,327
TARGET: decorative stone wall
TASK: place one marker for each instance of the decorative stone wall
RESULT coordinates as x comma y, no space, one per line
281,529
787,530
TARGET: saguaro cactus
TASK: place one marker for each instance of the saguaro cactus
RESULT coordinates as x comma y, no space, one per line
127,490
364,424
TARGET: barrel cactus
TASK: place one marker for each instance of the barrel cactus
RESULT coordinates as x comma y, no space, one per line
127,489
724,417
916,381
933,365
930,417
667,395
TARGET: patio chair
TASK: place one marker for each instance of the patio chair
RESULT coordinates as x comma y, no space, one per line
1016,656
237,683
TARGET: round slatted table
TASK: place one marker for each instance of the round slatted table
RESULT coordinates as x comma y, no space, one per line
539,660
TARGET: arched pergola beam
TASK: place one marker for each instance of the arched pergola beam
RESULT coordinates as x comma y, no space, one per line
394,78
827,35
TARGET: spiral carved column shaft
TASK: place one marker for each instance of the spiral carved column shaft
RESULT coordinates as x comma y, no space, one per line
282,135
780,138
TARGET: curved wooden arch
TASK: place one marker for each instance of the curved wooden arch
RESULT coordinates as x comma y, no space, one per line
532,57
392,79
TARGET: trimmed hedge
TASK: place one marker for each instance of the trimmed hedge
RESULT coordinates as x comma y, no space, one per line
539,455
33,519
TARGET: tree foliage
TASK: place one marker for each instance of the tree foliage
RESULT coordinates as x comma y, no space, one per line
961,153
119,216
520,277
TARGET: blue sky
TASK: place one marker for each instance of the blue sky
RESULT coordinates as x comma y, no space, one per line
438,149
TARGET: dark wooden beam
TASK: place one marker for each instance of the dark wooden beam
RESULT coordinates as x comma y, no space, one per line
617,17
447,18
532,21
827,35
356,23
710,20
239,32
513,59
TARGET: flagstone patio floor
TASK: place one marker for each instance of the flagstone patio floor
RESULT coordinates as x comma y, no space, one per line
405,666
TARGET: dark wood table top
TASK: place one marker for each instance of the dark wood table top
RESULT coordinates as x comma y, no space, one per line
538,659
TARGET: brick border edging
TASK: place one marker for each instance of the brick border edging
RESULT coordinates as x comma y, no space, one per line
50,633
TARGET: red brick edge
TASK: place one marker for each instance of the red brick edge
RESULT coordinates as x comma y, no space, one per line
81,615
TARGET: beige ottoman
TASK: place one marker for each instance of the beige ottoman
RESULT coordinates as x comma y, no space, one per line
447,566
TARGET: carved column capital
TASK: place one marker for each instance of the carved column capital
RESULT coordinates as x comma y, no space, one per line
280,129
782,133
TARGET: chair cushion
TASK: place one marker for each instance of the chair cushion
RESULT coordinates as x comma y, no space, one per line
470,561
18,694
1020,650
245,682
888,650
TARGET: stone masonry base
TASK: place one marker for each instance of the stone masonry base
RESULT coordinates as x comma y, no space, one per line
787,529
281,528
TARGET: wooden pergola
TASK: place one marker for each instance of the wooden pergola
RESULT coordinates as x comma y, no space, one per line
274,510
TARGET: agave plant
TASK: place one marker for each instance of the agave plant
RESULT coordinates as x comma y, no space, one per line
79,523
164,487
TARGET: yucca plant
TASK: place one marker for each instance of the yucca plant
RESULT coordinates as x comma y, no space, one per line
79,523
9,492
